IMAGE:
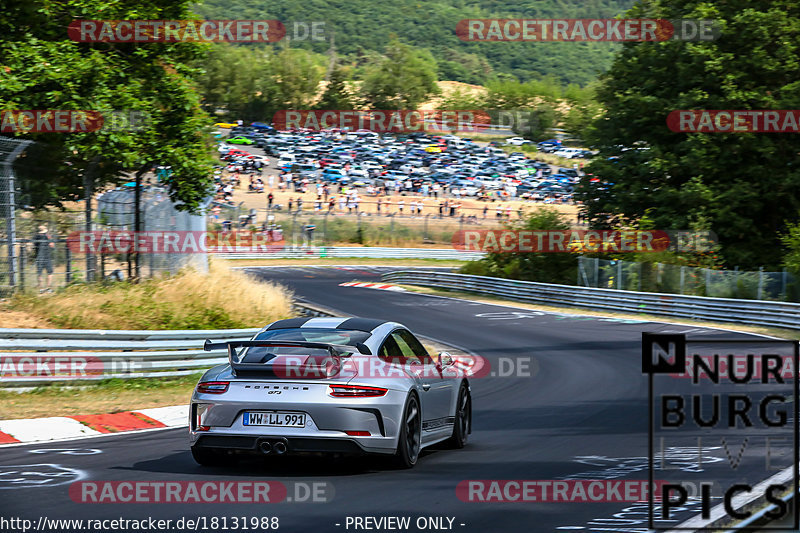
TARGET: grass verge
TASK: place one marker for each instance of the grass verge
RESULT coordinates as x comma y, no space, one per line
222,298
107,396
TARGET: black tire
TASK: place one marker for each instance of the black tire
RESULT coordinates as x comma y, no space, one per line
410,441
462,425
207,457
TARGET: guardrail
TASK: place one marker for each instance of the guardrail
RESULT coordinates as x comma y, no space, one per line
751,312
85,355
355,251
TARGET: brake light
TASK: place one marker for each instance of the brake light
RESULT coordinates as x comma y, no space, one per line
358,433
355,391
212,387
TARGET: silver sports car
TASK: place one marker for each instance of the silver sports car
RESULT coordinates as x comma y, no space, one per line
337,385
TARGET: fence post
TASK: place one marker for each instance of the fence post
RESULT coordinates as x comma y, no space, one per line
760,282
580,271
783,286
21,266
708,281
325,229
619,275
68,277
640,276
683,277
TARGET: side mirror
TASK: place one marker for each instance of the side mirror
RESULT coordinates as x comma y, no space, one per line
444,359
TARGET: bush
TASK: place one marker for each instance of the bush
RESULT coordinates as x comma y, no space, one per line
558,268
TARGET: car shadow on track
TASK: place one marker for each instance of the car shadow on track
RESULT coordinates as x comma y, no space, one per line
291,466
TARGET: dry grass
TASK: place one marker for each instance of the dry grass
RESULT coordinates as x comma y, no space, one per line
222,298
112,397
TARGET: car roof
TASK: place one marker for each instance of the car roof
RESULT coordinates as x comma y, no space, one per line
351,323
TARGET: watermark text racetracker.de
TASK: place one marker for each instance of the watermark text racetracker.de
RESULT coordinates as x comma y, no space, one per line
552,490
579,241
69,366
734,121
201,492
586,30
72,121
177,31
457,367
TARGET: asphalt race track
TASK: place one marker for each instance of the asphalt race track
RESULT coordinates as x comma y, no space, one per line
581,414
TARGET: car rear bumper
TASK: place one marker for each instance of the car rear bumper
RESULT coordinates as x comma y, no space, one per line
294,445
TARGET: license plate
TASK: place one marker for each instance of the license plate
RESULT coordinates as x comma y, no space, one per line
275,419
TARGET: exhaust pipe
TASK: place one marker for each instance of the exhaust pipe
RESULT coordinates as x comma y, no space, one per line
280,447
265,447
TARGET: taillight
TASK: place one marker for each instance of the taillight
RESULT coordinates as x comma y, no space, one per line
355,391
212,387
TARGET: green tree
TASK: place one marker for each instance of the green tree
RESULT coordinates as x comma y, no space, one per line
295,78
744,184
233,81
402,79
43,69
791,240
338,94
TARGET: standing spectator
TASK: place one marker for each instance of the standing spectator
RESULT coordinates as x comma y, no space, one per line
299,204
485,210
400,205
290,204
270,199
43,247
508,212
378,206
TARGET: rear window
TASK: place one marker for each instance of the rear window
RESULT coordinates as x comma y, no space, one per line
262,354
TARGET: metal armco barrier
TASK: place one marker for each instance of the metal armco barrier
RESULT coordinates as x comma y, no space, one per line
355,251
751,312
30,357
113,353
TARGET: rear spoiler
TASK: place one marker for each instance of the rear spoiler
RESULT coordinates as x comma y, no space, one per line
334,350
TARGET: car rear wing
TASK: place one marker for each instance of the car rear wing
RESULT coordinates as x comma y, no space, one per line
334,350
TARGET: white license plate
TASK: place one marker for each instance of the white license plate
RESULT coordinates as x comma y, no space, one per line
275,419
